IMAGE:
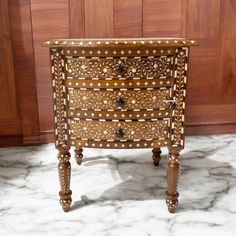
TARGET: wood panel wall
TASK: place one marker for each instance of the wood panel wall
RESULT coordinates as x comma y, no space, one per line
10,121
212,87
25,24
22,44
49,20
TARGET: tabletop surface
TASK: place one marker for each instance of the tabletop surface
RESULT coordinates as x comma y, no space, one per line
116,42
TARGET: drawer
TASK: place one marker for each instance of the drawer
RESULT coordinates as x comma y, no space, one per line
159,66
111,100
98,130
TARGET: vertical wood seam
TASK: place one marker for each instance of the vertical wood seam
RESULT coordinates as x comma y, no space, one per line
83,18
69,7
219,48
34,67
142,21
17,89
32,41
111,34
184,20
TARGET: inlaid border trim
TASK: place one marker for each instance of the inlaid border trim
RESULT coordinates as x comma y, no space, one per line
120,144
59,98
179,95
120,42
118,84
118,114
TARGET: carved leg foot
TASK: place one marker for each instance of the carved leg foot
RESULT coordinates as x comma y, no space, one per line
64,169
156,156
79,156
172,179
172,201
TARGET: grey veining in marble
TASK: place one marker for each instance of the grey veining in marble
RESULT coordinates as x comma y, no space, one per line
120,192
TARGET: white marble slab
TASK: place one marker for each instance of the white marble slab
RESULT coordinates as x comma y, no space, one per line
120,192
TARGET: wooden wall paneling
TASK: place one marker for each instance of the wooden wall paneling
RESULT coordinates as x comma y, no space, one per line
206,114
217,114
98,18
20,16
50,19
210,129
212,67
184,18
203,19
77,24
212,83
162,18
202,86
10,123
11,140
227,55
211,119
202,23
128,18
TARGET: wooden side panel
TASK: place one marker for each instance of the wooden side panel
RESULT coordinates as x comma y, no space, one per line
9,114
77,26
227,55
127,18
98,18
49,20
162,18
25,69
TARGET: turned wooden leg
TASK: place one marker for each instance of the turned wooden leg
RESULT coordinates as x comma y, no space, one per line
156,156
64,169
79,155
172,178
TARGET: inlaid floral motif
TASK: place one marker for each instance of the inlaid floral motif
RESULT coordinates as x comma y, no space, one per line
133,67
108,130
143,99
59,94
179,94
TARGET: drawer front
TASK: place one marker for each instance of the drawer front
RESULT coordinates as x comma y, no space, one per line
160,67
97,130
111,100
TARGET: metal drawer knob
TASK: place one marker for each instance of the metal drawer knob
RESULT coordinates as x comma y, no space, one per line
169,101
119,133
120,69
120,102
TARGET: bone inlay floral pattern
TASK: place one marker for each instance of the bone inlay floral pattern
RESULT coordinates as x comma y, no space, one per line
119,93
132,67
108,99
131,130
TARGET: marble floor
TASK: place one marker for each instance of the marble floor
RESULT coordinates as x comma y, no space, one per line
120,192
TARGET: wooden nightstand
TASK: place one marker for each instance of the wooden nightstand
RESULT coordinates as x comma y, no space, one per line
119,93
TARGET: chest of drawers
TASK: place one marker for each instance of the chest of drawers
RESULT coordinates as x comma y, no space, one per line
119,93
